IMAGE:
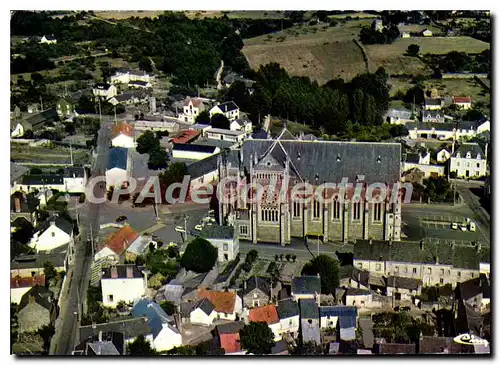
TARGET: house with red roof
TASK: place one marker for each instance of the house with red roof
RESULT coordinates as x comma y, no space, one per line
463,102
227,305
229,336
21,285
115,245
185,136
191,109
123,135
269,315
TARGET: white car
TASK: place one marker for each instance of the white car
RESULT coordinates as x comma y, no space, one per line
198,227
472,226
180,229
463,227
454,226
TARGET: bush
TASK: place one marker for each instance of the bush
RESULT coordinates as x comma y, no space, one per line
199,256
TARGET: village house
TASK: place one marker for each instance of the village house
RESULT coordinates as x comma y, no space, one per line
443,155
475,292
36,309
201,128
343,318
104,90
426,33
21,285
433,116
114,247
405,35
119,167
402,288
227,305
256,292
72,180
309,321
191,109
229,109
400,116
468,161
202,313
289,315
56,232
359,298
280,220
102,344
65,108
352,277
306,287
269,315
130,97
432,263
224,239
122,283
16,173
156,125
23,206
229,336
35,123
433,103
243,125
193,151
203,171
225,135
422,161
165,335
122,135
48,39
463,102
126,76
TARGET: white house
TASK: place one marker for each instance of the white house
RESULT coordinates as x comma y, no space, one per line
123,135
122,283
468,161
118,168
193,151
403,288
56,232
344,318
203,171
443,155
104,90
224,239
359,298
433,103
229,109
48,39
203,313
191,109
405,35
227,305
269,315
306,287
399,116
225,135
463,102
165,335
113,248
21,285
426,33
241,125
75,179
289,315
125,76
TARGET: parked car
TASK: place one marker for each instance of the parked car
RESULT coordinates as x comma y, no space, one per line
198,227
454,226
463,227
180,229
121,218
472,226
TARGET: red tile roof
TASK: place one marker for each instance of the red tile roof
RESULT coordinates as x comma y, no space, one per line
185,136
27,282
196,102
122,128
223,301
230,342
267,313
120,240
462,99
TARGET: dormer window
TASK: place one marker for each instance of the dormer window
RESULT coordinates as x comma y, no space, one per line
468,154
458,154
379,159
338,158
478,156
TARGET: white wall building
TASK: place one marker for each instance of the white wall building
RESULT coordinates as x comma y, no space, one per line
156,125
118,168
191,109
224,239
56,232
225,135
193,151
124,76
48,39
104,90
123,135
289,315
443,155
229,109
122,283
241,125
203,313
468,161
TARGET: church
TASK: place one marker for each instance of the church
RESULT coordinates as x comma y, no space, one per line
343,215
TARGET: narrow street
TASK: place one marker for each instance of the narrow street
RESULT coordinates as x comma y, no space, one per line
70,313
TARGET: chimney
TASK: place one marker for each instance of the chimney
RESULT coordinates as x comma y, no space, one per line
52,223
17,204
100,336
130,272
114,272
94,326
422,245
371,241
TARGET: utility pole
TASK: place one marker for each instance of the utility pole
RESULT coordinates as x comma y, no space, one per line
185,226
92,241
71,152
115,115
41,103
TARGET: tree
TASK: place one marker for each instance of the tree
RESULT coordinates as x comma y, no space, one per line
220,121
288,257
257,338
24,231
156,281
36,171
199,256
168,307
157,159
203,117
413,49
327,268
147,142
174,173
49,271
252,256
145,64
414,95
140,347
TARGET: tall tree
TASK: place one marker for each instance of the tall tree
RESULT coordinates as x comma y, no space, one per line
257,338
147,142
357,105
327,268
220,121
140,347
199,256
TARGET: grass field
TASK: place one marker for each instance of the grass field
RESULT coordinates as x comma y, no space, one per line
418,28
118,15
392,58
353,15
313,51
59,155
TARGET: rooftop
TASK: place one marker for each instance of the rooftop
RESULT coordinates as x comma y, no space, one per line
308,309
122,128
347,315
266,314
287,308
403,283
227,106
216,231
193,148
117,158
225,131
256,282
306,285
223,302
120,240
27,282
185,136
131,327
129,271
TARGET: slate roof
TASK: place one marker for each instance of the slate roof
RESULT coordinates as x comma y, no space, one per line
306,285
41,295
60,223
138,82
279,347
412,158
403,283
36,261
287,308
37,121
35,180
266,314
433,101
231,327
433,114
347,315
308,309
157,317
117,158
353,273
473,148
437,126
460,256
256,282
399,113
16,171
467,319
227,106
122,272
131,327
216,231
103,348
205,305
356,291
223,302
381,161
473,287
102,86
202,167
260,134
193,148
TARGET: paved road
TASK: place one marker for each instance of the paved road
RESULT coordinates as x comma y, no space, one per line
65,337
480,215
